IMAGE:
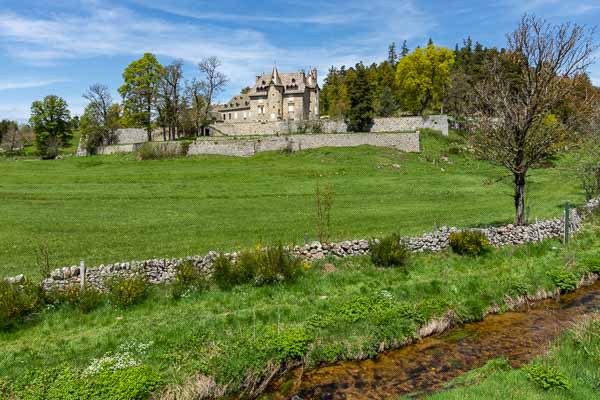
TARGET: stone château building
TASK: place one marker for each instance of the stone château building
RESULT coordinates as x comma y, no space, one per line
275,97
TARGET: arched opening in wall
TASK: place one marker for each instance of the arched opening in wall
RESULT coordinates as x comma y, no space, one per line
206,132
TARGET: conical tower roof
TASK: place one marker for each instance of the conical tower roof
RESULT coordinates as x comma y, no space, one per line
275,77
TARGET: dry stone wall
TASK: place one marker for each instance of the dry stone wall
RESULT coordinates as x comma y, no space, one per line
380,125
408,142
164,270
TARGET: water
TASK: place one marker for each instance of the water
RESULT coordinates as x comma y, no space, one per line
426,366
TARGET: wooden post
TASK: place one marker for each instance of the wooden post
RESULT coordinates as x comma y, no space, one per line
82,275
567,222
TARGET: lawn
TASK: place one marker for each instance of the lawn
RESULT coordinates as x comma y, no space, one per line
115,208
233,336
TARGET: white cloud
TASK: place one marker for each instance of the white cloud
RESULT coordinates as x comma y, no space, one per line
29,84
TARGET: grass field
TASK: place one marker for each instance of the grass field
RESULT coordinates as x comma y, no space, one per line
233,336
115,208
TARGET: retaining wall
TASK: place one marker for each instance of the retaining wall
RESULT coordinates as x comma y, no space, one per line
408,142
380,125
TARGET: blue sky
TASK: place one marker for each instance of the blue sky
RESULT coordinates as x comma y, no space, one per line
62,46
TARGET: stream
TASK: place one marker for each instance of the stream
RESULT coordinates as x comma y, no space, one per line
426,366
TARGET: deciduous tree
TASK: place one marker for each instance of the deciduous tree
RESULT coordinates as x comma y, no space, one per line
50,120
139,91
422,77
518,99
211,83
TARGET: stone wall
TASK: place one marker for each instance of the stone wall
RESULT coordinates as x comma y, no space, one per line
400,124
164,270
408,142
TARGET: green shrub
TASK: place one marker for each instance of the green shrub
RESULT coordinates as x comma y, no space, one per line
563,279
592,264
389,252
17,301
547,377
157,151
85,301
187,277
124,292
126,384
258,266
292,343
470,243
223,272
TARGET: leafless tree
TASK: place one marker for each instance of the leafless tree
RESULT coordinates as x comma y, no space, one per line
196,101
170,97
212,82
100,101
524,86
12,140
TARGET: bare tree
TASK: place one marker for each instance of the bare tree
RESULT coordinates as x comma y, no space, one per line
12,140
524,86
100,101
211,83
196,101
169,97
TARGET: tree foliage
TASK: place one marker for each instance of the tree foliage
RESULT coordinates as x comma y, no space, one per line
50,121
139,91
423,76
360,101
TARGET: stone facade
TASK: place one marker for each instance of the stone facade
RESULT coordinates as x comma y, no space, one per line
408,142
164,270
274,97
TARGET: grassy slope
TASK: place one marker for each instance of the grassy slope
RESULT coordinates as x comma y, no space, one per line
212,331
104,209
576,355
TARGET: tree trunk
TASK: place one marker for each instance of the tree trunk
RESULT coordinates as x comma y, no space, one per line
520,197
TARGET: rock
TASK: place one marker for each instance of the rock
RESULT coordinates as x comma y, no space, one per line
396,166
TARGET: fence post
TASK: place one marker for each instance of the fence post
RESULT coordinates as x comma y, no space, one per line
82,274
567,222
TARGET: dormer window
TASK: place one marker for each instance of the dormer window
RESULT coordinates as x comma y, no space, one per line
293,80
264,83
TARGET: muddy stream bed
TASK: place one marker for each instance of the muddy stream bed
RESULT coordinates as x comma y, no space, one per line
426,366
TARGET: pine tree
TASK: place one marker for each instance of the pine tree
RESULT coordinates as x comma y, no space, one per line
405,50
360,112
392,54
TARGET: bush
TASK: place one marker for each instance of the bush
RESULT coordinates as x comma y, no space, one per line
157,151
259,267
187,277
547,377
17,301
124,292
565,280
389,252
592,264
223,272
470,243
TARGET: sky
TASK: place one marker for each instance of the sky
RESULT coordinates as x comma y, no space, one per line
61,47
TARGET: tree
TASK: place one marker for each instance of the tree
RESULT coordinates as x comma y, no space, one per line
11,140
392,55
387,103
360,112
422,77
523,88
197,104
5,126
50,121
100,101
404,52
139,91
211,83
169,97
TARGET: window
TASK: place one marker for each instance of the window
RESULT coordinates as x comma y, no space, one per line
261,109
224,117
229,115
